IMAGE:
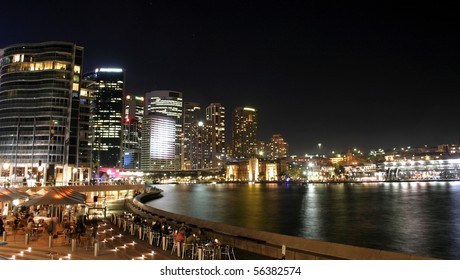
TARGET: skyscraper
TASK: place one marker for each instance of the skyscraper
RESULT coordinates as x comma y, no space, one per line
167,103
159,143
278,148
133,115
244,132
108,86
214,136
192,144
44,113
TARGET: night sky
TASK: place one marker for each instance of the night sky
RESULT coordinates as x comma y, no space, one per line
364,75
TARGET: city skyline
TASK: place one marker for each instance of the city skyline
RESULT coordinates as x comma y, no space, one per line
347,75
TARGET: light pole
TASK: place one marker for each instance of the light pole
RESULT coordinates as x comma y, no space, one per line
319,149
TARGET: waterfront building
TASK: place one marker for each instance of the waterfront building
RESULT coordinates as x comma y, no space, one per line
108,86
255,169
133,115
192,140
421,169
244,132
214,138
44,114
167,103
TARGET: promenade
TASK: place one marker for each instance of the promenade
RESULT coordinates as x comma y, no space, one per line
114,244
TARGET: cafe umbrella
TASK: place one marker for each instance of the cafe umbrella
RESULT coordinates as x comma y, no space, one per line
11,194
58,196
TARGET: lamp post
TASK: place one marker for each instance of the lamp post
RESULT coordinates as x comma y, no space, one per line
319,149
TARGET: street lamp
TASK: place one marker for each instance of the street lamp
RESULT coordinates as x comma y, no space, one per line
319,149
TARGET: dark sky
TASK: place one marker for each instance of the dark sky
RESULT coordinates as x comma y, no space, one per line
366,75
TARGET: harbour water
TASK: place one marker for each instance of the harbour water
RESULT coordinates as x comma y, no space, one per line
421,218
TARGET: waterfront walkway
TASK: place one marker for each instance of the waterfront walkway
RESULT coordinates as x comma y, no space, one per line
114,244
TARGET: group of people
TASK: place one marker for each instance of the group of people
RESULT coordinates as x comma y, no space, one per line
28,224
182,234
74,230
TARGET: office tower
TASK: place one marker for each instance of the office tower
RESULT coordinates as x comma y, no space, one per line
192,144
278,148
44,113
108,86
167,103
244,132
133,114
159,143
214,136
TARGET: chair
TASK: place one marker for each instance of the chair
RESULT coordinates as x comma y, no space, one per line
188,249
154,238
175,247
228,252
208,252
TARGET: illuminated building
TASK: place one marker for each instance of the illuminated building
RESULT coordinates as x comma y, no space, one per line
254,170
278,148
108,86
133,114
44,113
158,143
168,103
244,132
192,144
214,136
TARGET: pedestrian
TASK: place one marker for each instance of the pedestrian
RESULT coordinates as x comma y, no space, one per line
2,226
51,228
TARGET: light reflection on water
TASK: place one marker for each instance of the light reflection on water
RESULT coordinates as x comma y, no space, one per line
417,217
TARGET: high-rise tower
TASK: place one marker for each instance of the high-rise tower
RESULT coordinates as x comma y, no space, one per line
133,115
277,148
170,104
214,136
44,113
192,144
244,132
108,84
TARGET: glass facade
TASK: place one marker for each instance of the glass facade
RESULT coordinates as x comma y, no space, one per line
158,143
40,105
132,131
168,103
107,121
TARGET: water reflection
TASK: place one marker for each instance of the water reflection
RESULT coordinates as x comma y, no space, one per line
419,218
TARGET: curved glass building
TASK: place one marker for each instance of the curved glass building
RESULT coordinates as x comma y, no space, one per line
43,124
162,103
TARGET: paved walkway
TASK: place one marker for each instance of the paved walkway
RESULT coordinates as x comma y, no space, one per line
114,245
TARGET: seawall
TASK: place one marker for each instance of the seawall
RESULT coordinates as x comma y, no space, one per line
267,243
